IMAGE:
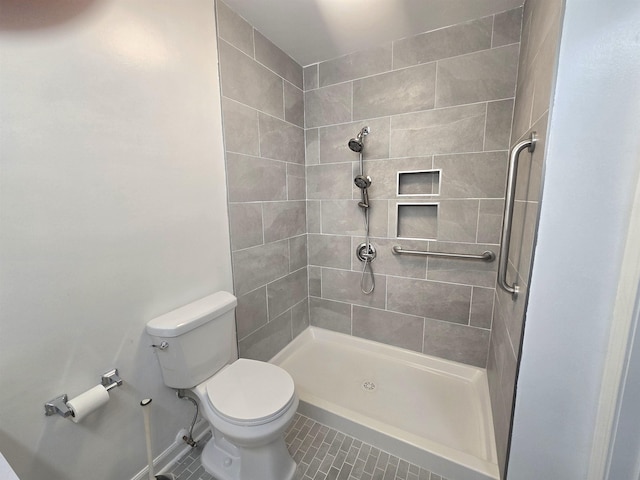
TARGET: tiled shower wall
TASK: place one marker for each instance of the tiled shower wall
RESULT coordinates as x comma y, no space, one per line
540,36
263,120
440,100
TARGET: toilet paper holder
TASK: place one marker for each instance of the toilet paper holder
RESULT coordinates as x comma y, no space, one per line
58,405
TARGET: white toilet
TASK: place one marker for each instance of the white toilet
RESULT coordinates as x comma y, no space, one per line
249,404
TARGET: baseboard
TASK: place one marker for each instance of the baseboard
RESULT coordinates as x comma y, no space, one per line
173,453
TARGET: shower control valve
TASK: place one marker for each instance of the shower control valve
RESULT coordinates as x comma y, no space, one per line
366,252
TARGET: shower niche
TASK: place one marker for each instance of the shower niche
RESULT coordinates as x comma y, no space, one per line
417,220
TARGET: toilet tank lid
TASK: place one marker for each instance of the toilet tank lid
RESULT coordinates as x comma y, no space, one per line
192,315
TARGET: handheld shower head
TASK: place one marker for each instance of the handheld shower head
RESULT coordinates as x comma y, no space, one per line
362,182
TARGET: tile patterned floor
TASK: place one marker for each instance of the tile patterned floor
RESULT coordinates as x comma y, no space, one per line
323,453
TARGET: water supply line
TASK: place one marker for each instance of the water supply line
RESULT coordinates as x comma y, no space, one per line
365,251
188,439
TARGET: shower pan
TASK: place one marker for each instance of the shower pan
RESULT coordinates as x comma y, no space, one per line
365,252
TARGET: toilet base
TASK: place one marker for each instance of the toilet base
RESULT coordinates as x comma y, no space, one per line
267,462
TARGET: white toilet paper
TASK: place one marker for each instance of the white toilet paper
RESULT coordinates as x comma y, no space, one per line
87,402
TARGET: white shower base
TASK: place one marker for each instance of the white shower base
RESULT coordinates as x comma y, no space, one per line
432,412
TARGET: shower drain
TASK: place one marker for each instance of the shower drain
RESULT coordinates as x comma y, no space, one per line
368,385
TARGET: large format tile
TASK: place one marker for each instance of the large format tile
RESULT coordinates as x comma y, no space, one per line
310,77
234,29
245,225
239,75
297,252
251,179
478,77
275,59
240,125
296,182
332,181
300,317
286,292
408,90
264,343
507,27
334,316
330,251
355,65
481,307
405,331
328,105
388,263
251,312
293,104
260,265
440,131
345,217
462,271
344,286
456,342
334,141
384,174
281,140
429,299
472,175
284,220
458,220
445,42
490,221
497,133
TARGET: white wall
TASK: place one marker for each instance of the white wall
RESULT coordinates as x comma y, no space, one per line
591,172
113,210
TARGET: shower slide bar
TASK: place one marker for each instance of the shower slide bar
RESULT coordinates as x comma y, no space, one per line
505,240
487,256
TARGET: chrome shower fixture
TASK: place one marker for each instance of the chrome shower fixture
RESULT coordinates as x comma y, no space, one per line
356,144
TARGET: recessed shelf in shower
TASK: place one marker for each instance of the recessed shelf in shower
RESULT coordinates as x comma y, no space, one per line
417,221
419,183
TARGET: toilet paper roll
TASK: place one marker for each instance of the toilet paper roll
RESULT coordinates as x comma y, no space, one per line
87,402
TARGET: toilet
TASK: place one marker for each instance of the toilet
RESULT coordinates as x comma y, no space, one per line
248,403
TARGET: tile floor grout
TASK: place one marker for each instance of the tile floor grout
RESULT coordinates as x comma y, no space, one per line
322,453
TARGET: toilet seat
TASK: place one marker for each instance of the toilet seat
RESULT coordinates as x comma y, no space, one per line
249,392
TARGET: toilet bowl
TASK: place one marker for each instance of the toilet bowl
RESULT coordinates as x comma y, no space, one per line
249,404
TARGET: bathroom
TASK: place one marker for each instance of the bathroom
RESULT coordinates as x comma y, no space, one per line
117,206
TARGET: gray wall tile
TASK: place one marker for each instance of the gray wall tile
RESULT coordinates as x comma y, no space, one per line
490,221
264,343
334,141
463,271
296,182
344,286
477,77
297,252
334,316
384,174
257,266
251,312
300,317
401,91
345,217
507,27
234,29
405,331
498,129
458,220
481,307
456,342
329,181
315,281
310,77
253,179
245,225
284,220
387,263
328,105
445,42
281,140
287,291
312,144
330,251
275,59
313,216
472,175
429,299
447,130
356,65
237,71
293,104
240,128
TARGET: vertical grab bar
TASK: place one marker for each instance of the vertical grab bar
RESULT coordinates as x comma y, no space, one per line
508,212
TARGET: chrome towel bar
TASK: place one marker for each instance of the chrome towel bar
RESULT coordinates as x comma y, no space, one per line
505,240
487,256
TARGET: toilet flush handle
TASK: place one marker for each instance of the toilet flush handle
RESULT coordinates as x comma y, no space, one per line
163,345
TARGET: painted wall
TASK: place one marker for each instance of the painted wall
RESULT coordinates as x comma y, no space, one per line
591,173
263,117
536,70
112,210
441,100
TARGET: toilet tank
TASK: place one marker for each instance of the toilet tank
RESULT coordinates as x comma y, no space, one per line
200,339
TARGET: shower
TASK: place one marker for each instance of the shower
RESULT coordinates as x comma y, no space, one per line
365,251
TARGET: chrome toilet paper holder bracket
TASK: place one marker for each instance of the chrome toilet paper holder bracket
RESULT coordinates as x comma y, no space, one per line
58,405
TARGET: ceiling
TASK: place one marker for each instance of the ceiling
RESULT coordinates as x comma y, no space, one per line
311,31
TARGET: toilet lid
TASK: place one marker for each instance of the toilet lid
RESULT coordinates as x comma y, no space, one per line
249,392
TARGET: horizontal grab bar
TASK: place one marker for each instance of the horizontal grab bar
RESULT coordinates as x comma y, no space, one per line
487,256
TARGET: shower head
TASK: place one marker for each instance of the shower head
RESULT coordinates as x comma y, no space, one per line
362,182
357,144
